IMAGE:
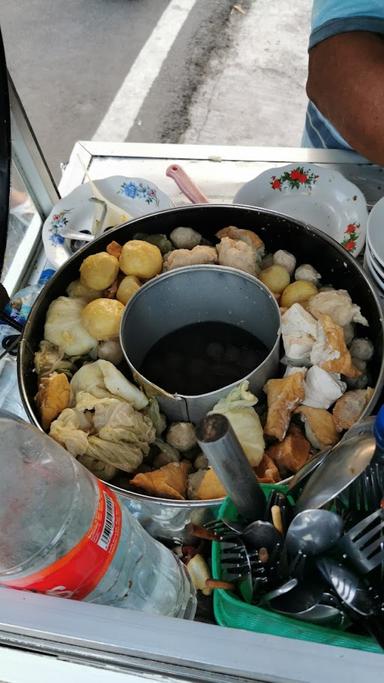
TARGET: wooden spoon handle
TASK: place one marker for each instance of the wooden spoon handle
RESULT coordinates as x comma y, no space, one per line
186,185
201,532
226,585
276,518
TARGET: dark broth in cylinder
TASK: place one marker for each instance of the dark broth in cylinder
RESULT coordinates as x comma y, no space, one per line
202,357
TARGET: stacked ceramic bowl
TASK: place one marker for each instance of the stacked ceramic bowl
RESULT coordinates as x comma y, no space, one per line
374,249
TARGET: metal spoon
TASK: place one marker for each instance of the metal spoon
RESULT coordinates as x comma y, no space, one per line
359,599
336,473
299,478
301,598
277,592
313,532
359,429
322,615
261,534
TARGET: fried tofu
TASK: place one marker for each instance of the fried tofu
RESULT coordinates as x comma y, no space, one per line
330,351
348,409
53,397
267,472
169,481
320,428
283,396
247,236
292,453
205,485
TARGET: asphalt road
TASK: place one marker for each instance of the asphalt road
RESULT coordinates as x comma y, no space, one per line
69,59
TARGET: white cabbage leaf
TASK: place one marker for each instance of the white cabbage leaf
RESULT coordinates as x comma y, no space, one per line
103,380
108,429
238,409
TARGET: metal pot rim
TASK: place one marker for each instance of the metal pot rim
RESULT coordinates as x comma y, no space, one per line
195,269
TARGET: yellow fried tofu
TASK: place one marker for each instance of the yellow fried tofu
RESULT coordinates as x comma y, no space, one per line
291,454
266,471
283,396
205,485
52,397
169,481
320,428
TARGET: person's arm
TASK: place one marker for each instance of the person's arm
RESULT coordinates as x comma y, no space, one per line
346,83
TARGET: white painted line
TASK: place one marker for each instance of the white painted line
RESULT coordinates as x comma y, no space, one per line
127,103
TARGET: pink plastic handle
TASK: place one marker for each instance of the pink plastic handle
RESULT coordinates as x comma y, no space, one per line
186,185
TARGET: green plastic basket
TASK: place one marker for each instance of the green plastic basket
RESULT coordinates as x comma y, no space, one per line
231,611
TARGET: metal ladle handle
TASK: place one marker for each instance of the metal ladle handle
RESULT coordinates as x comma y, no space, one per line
219,443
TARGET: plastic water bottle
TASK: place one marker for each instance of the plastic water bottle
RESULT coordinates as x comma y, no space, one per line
10,398
64,533
378,432
20,304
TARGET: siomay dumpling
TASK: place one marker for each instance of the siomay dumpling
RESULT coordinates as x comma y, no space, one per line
64,327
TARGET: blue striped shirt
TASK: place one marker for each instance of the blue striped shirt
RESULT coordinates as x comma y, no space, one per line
329,18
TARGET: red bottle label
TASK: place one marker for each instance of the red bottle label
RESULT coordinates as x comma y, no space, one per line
77,573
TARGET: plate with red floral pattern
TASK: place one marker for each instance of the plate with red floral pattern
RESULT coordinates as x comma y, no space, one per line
315,195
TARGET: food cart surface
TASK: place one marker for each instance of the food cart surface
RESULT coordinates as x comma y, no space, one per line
115,640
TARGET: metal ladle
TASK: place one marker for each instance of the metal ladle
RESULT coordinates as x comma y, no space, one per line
301,598
357,597
322,615
313,532
336,473
310,533
364,427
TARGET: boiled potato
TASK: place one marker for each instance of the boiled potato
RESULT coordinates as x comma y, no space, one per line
297,293
101,318
127,288
276,278
141,259
99,271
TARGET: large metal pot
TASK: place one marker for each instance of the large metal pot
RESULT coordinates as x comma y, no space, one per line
164,518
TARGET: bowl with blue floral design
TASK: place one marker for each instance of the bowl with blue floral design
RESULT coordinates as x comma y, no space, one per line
80,216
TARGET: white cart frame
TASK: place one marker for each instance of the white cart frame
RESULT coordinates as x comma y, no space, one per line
108,641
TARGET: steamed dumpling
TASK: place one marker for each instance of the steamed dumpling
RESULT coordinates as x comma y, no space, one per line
64,327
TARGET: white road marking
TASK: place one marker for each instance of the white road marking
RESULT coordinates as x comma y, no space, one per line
127,103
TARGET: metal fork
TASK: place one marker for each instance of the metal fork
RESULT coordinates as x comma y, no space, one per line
366,492
363,544
236,567
223,528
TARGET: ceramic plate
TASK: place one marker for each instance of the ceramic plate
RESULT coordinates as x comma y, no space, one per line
371,270
76,212
373,266
315,195
379,267
375,232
